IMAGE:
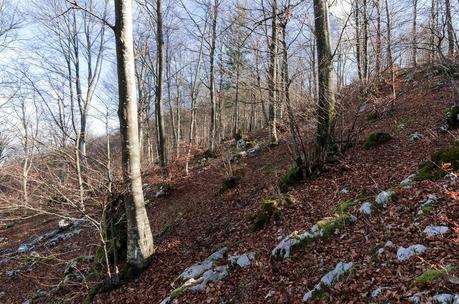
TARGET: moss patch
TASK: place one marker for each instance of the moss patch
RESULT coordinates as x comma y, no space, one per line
270,210
331,224
179,291
452,118
433,170
239,135
293,176
375,139
344,207
229,183
431,275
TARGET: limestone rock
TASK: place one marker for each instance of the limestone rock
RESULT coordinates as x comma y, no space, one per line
408,182
404,254
385,197
365,209
436,230
242,260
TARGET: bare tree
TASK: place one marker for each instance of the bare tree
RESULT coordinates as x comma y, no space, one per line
326,97
272,78
159,88
140,239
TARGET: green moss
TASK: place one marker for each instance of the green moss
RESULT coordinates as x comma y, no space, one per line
239,135
250,144
433,170
452,115
179,291
425,210
229,183
375,139
431,275
166,230
330,224
290,200
344,207
269,211
447,155
293,176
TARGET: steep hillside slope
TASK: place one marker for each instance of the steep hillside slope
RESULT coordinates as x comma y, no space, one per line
198,220
201,222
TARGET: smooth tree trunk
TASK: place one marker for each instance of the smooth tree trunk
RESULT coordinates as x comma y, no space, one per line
159,89
169,94
326,91
357,39
378,38
272,77
213,102
390,60
139,237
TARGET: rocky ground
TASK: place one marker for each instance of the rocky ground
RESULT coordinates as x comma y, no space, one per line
209,252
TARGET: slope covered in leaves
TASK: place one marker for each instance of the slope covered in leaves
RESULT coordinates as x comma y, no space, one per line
202,222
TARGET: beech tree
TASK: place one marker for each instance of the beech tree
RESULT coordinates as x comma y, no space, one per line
326,92
140,239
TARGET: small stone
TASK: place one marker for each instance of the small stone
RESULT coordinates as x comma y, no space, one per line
385,197
415,136
283,249
416,298
389,244
34,254
253,151
408,182
345,190
64,223
376,292
445,298
436,230
242,260
270,294
23,248
404,254
365,209
167,300
241,144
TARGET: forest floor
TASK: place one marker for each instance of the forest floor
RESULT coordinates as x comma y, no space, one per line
198,221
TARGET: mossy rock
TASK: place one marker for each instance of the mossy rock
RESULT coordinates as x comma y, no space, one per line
452,118
431,275
270,211
433,170
229,183
376,139
330,224
344,207
293,176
